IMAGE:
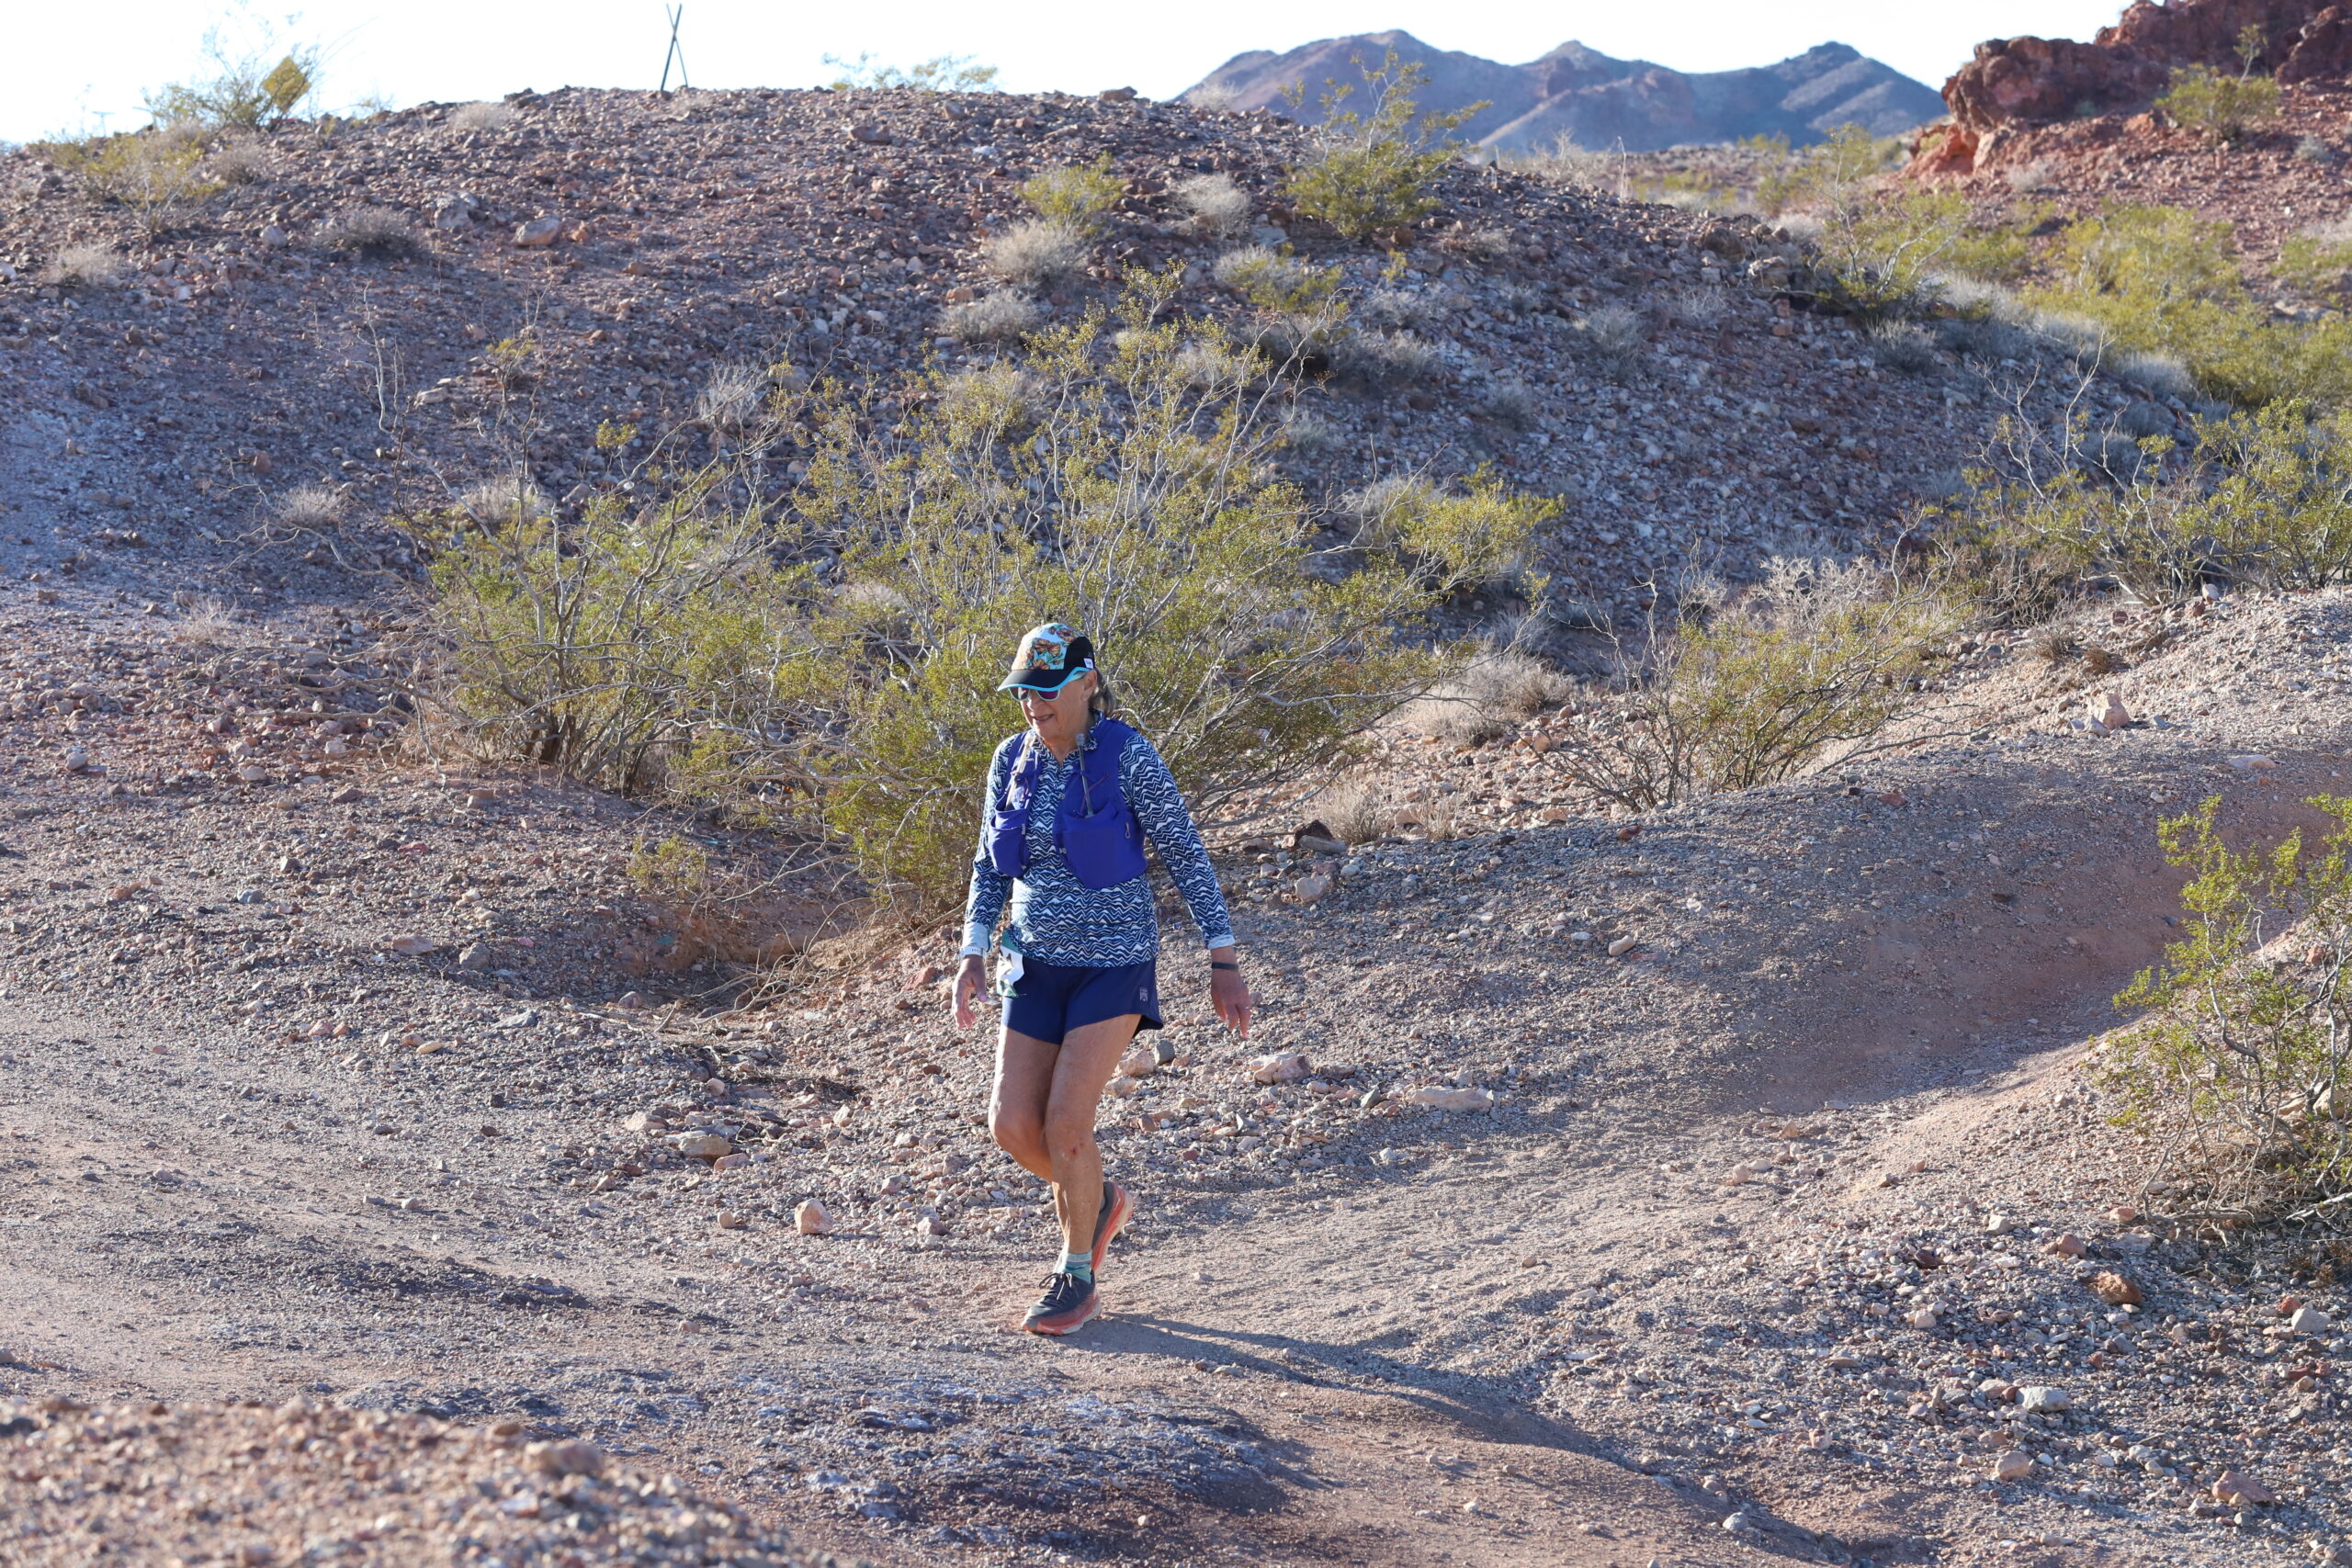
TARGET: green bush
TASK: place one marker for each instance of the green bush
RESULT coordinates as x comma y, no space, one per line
2223,107
1105,482
2262,496
1075,196
246,89
1880,251
156,173
2161,280
2240,1072
1372,173
1818,657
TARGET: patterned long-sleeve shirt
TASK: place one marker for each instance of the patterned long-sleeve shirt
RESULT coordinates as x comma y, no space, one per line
1056,918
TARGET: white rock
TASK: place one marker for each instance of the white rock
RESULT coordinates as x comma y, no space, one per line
930,1227
538,232
2013,1465
1287,1066
1925,1317
2034,1398
1453,1099
2108,711
703,1146
2252,763
2309,1320
1624,945
76,759
809,1218
410,946
1311,888
1999,1224
1139,1063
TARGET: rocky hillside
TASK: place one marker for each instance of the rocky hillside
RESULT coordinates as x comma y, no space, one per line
1594,99
567,258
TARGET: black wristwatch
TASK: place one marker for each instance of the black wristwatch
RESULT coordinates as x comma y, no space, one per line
1220,963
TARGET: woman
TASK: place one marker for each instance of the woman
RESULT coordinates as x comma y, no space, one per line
1070,802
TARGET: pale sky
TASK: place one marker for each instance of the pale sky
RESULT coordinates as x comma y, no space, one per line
68,65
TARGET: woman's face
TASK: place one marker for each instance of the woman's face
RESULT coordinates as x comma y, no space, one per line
1059,713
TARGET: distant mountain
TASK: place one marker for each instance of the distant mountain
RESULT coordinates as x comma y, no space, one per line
1597,100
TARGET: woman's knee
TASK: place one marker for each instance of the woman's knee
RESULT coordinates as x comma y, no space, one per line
1016,1131
1067,1135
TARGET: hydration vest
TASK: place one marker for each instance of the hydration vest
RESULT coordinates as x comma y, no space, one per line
1094,827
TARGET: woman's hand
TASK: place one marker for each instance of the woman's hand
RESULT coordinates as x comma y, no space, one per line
1230,994
971,979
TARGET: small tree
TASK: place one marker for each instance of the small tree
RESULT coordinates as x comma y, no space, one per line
1373,173
245,88
2223,107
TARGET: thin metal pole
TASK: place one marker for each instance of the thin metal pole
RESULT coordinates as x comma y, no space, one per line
677,50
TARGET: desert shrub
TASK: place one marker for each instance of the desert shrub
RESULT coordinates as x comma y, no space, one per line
1308,433
1372,172
511,501
2318,259
612,648
1396,310
1035,253
1815,660
940,73
485,114
244,88
2263,496
1699,310
374,232
2029,178
83,267
1276,280
998,317
1215,99
1214,206
1619,336
2312,149
313,508
731,398
1904,347
2160,281
156,173
1486,245
1356,810
2223,107
1489,699
1075,196
2237,1071
829,657
236,160
999,397
1513,404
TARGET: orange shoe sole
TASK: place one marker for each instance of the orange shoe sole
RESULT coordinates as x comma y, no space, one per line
1123,1209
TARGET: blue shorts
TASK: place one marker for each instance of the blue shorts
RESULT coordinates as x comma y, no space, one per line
1051,999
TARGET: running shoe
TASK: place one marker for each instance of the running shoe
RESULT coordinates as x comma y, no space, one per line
1117,1210
1067,1305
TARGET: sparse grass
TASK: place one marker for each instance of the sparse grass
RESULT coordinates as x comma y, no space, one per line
207,622
1035,253
237,161
83,267
1618,337
157,173
313,508
997,317
2030,178
1215,99
483,116
1486,245
1388,359
1489,700
372,231
1903,346
732,398
1396,310
1699,310
515,501
1308,434
940,73
1513,404
1356,811
1214,207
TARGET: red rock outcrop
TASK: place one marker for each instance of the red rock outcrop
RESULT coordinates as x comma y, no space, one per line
2025,80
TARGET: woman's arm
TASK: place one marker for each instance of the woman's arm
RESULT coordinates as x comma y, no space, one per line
984,904
1160,806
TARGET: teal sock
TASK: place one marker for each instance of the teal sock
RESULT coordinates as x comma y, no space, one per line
1078,1263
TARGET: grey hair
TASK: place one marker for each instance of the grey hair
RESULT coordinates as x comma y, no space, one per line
1102,702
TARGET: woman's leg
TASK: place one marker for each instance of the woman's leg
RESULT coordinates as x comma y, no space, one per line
1089,1056
1024,1078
